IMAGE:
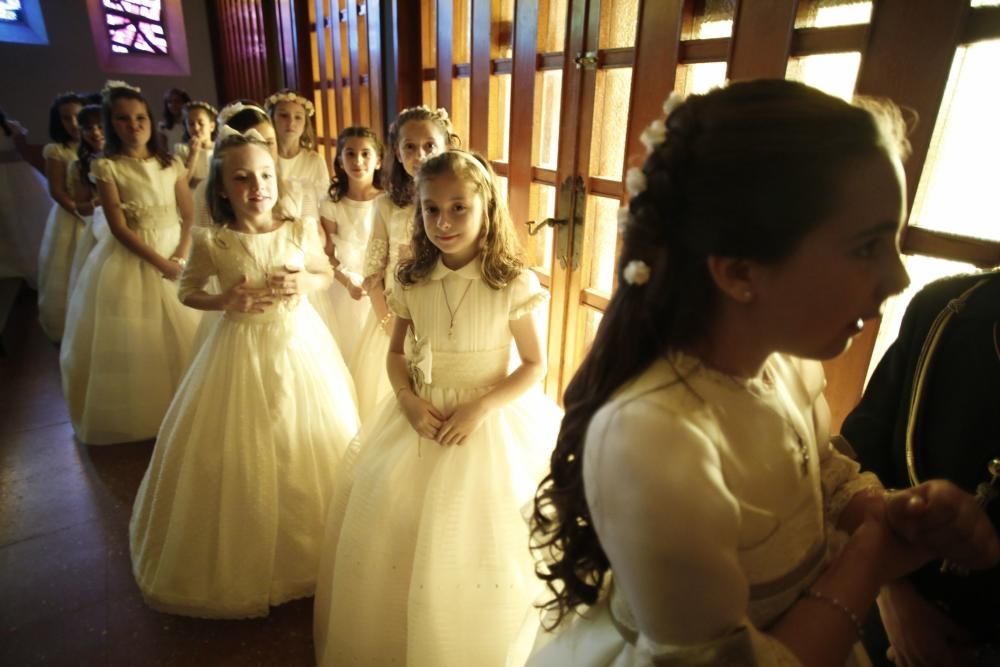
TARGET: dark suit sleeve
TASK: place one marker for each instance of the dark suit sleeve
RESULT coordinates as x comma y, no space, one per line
871,425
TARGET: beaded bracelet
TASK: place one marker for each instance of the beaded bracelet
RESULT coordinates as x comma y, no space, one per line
385,320
839,606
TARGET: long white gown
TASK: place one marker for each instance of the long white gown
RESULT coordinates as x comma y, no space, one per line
726,514
229,517
55,258
305,180
24,205
128,338
392,232
354,226
426,560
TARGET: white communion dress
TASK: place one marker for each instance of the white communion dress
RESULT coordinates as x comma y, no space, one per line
354,226
392,232
24,204
55,258
734,490
201,166
128,337
426,561
229,517
305,180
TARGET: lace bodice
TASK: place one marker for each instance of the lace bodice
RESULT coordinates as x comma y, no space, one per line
392,231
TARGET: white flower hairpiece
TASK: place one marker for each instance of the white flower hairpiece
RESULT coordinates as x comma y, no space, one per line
231,110
623,217
636,272
252,133
654,135
113,84
289,96
199,104
674,100
635,181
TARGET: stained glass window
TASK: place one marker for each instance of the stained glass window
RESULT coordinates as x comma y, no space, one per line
136,26
11,10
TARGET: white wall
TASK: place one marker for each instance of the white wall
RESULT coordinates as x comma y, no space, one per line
32,75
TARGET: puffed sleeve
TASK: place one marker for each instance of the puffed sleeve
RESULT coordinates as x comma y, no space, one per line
181,151
180,171
377,252
526,294
102,169
670,526
327,209
396,299
200,265
54,151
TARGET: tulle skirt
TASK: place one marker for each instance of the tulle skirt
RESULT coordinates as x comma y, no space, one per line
55,259
350,316
229,517
128,341
24,207
95,228
426,560
370,377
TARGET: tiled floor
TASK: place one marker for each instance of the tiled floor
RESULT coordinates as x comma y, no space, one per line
66,590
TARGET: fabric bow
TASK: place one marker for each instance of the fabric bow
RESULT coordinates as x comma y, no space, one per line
419,360
252,133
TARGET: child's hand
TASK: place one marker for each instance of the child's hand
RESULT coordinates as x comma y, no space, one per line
461,423
171,270
287,281
423,417
242,299
945,520
356,291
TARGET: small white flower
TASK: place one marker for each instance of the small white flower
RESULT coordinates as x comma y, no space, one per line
623,218
654,135
673,101
635,181
637,272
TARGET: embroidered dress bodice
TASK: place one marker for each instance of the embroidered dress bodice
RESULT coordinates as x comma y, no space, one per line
229,255
145,189
725,488
477,353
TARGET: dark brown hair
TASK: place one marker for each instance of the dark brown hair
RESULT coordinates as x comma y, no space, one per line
500,249
85,153
339,183
112,143
397,182
745,171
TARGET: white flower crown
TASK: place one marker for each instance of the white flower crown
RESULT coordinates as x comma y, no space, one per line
290,96
637,272
234,108
198,104
114,84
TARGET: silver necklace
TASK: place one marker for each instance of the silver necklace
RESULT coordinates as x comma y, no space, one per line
452,313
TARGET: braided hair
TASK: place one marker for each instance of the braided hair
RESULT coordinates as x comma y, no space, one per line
744,171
